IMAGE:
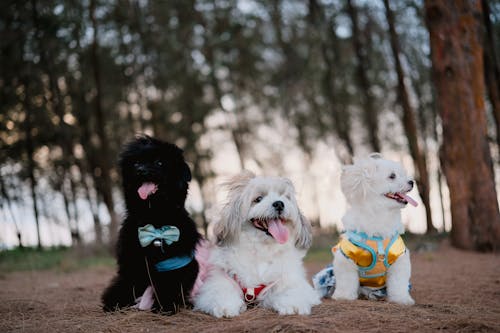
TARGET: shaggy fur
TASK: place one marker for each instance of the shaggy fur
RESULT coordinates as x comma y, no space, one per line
365,185
149,161
261,240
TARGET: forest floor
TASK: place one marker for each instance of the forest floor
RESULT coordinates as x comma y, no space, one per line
455,291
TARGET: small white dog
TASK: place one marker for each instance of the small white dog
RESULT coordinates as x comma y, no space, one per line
261,240
371,253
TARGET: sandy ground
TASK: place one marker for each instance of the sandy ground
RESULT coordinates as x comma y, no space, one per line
455,291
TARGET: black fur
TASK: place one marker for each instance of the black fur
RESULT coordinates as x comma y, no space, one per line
149,160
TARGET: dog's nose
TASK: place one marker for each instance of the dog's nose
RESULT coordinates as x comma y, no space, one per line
141,170
411,182
278,205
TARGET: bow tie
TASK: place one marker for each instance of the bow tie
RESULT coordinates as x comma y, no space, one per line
149,233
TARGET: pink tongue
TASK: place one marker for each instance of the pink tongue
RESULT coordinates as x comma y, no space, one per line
409,199
278,231
146,190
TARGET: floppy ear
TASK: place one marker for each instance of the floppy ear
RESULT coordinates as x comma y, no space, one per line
304,234
226,230
355,178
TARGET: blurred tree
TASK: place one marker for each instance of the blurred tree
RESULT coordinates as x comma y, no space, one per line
103,171
79,78
409,122
491,68
362,62
457,62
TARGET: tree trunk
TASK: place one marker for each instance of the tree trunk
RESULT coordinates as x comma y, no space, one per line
235,128
409,122
457,64
31,170
441,194
6,197
369,111
491,69
103,176
329,45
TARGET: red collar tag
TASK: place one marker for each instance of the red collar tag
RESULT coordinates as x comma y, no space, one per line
250,294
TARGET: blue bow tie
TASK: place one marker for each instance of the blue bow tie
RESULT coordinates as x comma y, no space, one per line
149,233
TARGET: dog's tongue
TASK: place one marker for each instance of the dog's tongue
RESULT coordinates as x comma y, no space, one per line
146,190
278,231
409,199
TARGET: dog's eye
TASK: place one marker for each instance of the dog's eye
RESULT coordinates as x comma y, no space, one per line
392,176
258,199
159,163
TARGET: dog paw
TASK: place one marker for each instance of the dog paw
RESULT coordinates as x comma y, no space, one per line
294,309
227,311
343,296
290,305
403,300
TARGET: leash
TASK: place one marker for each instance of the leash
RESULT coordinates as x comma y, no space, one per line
152,285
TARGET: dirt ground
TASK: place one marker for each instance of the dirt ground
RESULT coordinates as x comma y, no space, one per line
455,291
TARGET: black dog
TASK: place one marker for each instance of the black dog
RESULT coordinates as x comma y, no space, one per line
155,181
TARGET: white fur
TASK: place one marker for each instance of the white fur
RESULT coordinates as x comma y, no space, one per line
254,257
364,184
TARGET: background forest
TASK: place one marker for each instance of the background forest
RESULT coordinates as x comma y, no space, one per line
289,87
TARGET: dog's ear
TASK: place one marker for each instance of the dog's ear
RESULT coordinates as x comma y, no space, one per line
356,178
226,230
304,234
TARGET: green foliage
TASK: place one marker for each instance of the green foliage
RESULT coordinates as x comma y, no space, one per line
58,258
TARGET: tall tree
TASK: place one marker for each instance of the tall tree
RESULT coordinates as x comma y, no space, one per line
457,65
104,171
369,110
409,122
491,68
329,44
28,127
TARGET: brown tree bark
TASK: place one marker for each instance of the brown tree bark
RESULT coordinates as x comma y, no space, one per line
491,68
369,111
409,122
103,173
457,65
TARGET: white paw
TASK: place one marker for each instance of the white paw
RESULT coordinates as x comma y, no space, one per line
291,304
344,296
290,309
220,311
403,300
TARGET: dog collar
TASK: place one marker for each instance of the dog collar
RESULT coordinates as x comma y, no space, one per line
250,294
174,263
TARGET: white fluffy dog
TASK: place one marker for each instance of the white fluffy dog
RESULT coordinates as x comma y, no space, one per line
371,253
261,240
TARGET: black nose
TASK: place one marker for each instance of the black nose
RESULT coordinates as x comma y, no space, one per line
411,182
278,205
141,170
